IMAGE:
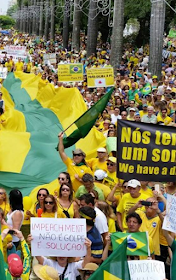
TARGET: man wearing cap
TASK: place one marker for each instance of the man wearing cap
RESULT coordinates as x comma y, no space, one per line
111,180
88,186
130,117
137,117
150,117
99,176
77,166
143,112
100,161
128,201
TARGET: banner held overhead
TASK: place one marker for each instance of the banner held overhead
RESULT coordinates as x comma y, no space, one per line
146,152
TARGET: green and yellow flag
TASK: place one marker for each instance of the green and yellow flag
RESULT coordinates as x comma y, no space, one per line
87,120
137,243
35,112
115,267
2,270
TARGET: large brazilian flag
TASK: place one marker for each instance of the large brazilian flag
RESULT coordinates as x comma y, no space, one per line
35,113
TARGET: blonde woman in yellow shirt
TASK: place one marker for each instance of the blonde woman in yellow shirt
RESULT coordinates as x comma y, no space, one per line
49,207
4,205
67,207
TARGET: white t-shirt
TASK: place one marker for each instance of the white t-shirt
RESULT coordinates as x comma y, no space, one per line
72,269
101,221
114,118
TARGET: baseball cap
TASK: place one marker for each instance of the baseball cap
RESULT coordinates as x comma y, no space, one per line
15,265
101,150
132,77
171,82
134,183
100,174
78,151
144,105
154,77
113,159
132,109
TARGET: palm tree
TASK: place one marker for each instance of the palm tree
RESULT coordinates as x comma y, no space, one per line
117,33
92,32
157,21
53,4
76,26
41,31
66,20
46,19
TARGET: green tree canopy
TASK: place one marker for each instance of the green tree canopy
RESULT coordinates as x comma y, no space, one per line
6,22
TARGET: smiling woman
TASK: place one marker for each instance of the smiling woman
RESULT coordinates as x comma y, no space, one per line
49,207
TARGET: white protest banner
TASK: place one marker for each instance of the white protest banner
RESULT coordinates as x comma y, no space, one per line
14,57
146,269
3,72
49,57
170,218
58,237
20,50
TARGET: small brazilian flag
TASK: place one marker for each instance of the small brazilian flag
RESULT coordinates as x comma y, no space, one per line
137,242
76,68
146,89
115,267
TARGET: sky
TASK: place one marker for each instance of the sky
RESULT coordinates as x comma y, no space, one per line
4,5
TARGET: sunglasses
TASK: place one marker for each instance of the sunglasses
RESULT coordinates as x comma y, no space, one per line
61,178
88,273
41,194
111,164
78,155
2,193
65,189
49,202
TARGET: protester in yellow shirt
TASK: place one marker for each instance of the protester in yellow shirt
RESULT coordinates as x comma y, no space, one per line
163,118
9,65
49,207
128,201
145,189
111,180
99,175
19,66
4,205
77,166
152,220
100,161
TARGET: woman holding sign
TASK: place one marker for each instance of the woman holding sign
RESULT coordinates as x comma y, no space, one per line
65,268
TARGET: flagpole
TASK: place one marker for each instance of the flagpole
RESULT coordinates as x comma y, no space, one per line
87,111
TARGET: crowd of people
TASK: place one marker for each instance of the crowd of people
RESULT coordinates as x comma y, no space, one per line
90,188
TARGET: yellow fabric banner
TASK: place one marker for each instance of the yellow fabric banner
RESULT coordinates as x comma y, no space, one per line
100,77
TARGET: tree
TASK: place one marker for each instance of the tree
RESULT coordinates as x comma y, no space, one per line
117,33
46,20
157,21
92,28
66,20
6,22
41,31
76,26
53,4
12,10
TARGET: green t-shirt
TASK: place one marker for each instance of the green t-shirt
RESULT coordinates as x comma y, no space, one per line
82,190
173,264
131,94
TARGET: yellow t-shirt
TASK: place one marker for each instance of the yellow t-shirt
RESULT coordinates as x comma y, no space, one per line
142,113
73,169
9,65
19,66
166,120
125,205
105,189
111,180
148,192
95,164
153,226
111,225
70,211
5,207
49,215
